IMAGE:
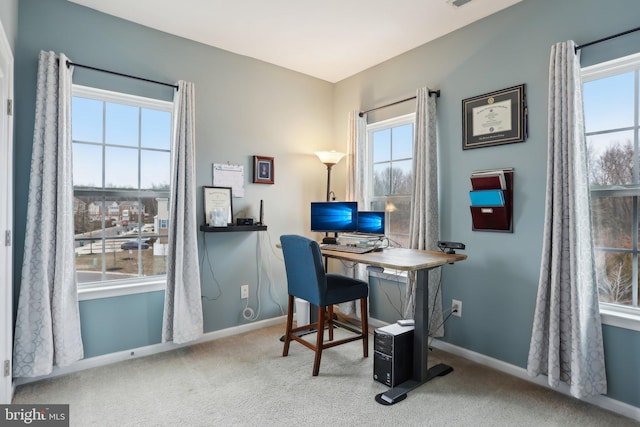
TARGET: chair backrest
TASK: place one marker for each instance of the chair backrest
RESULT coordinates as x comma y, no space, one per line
305,271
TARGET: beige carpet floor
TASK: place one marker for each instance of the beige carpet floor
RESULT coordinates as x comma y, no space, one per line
244,381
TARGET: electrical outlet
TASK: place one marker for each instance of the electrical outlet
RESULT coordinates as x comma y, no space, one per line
456,307
244,291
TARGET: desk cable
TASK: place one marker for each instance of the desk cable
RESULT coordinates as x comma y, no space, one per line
205,253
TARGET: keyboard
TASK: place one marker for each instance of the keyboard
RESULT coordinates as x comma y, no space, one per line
347,248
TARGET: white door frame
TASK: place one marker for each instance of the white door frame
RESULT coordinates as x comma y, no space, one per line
6,218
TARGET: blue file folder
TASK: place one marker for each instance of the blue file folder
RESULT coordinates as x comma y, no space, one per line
486,198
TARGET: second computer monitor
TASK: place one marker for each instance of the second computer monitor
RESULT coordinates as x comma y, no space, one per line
371,222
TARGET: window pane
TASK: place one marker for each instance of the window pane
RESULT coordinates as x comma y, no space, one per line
86,116
87,165
402,137
398,217
121,125
612,219
611,158
121,167
603,94
402,177
157,229
154,170
381,145
86,217
89,237
381,179
156,129
614,277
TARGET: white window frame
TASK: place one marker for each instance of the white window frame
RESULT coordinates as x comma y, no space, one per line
615,314
113,288
377,126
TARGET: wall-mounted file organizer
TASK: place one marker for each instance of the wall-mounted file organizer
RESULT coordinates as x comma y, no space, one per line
492,200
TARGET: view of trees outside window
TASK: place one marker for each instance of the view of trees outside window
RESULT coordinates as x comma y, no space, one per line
611,97
391,153
121,164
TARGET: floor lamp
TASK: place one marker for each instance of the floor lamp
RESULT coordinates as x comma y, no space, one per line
329,158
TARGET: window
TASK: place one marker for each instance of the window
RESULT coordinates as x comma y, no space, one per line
390,173
121,178
611,97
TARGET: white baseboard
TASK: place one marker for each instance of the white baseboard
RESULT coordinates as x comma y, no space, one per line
120,356
600,401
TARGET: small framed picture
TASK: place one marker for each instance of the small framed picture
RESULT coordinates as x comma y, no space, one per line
263,172
218,209
495,118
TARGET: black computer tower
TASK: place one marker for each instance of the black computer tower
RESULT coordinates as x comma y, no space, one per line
393,354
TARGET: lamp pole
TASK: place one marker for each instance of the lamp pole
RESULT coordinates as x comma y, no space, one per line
329,166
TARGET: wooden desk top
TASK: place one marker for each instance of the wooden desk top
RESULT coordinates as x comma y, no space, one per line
398,258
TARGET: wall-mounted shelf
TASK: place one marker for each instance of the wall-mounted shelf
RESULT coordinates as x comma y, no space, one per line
230,228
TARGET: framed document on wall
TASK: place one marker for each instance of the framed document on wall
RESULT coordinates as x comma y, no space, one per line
494,118
218,210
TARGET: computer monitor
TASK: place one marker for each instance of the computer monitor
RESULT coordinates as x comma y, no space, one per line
334,216
371,222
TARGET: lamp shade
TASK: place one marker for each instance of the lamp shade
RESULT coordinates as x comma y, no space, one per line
329,157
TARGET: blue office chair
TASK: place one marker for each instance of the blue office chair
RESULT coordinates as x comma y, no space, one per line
307,280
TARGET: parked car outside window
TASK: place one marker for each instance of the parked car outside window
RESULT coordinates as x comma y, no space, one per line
133,244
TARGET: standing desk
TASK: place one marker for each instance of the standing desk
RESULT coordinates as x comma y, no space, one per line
421,262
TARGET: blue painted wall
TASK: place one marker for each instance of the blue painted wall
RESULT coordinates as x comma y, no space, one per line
498,283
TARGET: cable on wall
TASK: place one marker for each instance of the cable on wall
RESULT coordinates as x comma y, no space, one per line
205,255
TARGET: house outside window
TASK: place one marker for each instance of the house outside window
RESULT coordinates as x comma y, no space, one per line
612,116
390,173
121,173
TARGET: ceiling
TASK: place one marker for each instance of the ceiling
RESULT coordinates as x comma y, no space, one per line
327,39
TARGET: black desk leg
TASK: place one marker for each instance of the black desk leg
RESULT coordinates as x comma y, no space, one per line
421,374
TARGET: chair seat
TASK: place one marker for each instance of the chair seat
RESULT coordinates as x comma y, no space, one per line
342,289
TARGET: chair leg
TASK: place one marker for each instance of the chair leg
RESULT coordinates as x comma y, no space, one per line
364,315
330,321
319,339
287,334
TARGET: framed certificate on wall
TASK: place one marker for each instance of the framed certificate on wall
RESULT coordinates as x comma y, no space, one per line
218,208
494,118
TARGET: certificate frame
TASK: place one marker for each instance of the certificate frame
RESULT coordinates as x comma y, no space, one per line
495,118
263,170
218,198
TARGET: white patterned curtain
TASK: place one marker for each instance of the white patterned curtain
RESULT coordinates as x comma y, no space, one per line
182,320
357,185
47,331
566,342
424,230
357,159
